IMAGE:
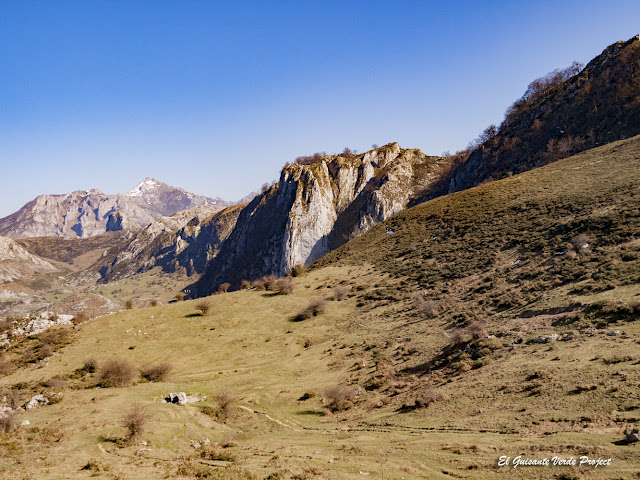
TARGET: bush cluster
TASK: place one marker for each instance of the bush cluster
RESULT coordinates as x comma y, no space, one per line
340,398
315,307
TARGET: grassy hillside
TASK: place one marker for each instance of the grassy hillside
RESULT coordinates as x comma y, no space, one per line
479,327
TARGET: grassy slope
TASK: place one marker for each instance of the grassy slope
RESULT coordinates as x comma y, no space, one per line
566,397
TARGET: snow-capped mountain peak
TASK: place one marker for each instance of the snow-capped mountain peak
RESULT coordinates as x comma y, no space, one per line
145,186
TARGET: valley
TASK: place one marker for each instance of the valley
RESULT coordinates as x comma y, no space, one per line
386,314
415,364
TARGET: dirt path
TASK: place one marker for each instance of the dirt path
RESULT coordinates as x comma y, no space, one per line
269,417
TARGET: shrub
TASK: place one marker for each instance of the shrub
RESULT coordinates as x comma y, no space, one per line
80,317
298,270
209,411
316,307
225,400
129,304
581,242
458,337
90,365
154,302
179,297
428,395
9,422
135,421
5,325
14,398
340,398
477,330
157,372
340,293
55,336
55,382
224,287
117,373
203,307
284,286
310,159
428,308
270,282
259,284
45,350
210,453
245,285
5,366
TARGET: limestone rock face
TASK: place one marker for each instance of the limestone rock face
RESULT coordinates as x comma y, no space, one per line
16,263
313,209
88,213
116,222
185,241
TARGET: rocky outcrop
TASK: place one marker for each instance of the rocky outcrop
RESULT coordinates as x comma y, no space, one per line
17,264
116,222
313,209
88,213
185,242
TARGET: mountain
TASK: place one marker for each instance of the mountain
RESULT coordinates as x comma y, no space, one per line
472,326
184,242
317,206
563,113
17,264
87,213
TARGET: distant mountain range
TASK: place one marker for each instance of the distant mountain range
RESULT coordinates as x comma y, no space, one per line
87,213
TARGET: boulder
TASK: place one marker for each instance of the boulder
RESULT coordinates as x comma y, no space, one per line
179,398
36,401
632,436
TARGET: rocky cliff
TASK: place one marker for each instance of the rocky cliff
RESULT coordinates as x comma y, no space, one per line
184,242
87,213
17,264
315,208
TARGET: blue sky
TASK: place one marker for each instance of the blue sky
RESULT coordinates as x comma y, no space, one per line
216,97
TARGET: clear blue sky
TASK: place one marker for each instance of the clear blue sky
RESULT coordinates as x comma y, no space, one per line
216,96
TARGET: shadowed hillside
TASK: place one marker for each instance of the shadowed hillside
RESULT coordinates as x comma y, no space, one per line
563,113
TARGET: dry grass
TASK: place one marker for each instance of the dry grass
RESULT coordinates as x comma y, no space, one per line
5,325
